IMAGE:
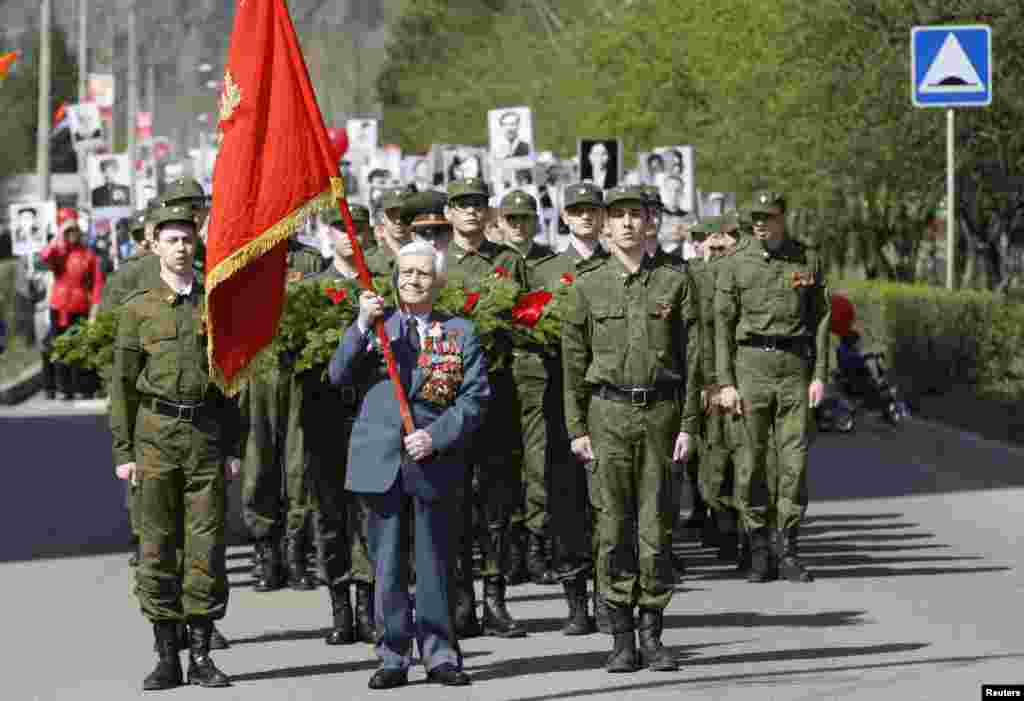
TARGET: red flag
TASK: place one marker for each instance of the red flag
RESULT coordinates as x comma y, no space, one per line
6,61
276,167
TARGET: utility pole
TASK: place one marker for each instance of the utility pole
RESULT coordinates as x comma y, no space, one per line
133,97
83,48
43,126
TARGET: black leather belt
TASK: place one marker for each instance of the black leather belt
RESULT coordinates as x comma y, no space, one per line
636,396
790,344
183,412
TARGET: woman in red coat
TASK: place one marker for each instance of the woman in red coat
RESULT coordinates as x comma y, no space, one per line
78,282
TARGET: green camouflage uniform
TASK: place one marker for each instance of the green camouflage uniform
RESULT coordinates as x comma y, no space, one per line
773,308
275,496
633,330
160,365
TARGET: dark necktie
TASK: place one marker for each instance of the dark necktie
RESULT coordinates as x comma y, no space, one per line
414,335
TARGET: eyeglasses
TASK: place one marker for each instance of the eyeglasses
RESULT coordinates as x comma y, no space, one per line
470,203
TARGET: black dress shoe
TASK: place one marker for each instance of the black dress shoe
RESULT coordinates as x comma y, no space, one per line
448,674
388,679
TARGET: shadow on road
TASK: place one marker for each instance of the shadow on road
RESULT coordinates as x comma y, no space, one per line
317,670
686,654
735,619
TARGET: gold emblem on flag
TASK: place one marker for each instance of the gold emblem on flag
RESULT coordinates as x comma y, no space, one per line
230,98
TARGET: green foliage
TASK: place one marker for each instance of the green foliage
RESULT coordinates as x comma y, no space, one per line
936,340
19,100
88,344
488,304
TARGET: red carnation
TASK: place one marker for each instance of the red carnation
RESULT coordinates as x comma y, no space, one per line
530,307
501,272
337,296
567,278
471,299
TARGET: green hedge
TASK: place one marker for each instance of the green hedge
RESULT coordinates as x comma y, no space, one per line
935,340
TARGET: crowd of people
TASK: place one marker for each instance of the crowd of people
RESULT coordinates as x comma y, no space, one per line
678,365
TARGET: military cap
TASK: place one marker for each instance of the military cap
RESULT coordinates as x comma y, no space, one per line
468,186
138,224
766,200
393,197
625,193
583,193
182,190
425,209
700,230
653,195
359,214
518,202
172,213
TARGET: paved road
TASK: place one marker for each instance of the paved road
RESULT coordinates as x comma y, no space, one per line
915,539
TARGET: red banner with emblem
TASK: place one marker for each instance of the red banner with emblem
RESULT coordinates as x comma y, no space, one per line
276,167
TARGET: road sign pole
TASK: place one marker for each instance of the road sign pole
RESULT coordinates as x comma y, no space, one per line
950,199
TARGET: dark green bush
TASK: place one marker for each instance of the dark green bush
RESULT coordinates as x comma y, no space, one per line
935,339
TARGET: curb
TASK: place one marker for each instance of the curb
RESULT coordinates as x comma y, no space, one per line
20,389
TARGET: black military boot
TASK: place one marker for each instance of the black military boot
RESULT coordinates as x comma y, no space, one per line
653,654
790,566
496,619
762,564
515,564
167,673
728,536
699,512
217,639
601,614
538,562
343,631
201,669
299,577
578,623
365,628
466,623
268,565
136,555
624,655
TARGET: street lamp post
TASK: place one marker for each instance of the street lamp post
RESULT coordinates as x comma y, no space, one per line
43,125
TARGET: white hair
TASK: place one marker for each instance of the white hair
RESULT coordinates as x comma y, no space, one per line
427,250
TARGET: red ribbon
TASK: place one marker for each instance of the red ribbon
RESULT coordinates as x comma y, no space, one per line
337,296
471,299
530,307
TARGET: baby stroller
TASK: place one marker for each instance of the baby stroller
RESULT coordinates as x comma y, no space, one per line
864,379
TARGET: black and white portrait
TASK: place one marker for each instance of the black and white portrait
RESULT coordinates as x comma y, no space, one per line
464,162
675,179
108,180
601,162
363,135
31,224
88,131
511,132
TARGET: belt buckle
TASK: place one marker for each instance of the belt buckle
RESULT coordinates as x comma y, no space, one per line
638,392
186,413
770,345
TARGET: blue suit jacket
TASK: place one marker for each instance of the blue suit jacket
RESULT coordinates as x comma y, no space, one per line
375,448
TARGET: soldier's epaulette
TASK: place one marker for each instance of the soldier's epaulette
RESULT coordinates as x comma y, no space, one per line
593,265
134,294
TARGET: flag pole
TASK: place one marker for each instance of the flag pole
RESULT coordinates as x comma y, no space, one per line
366,282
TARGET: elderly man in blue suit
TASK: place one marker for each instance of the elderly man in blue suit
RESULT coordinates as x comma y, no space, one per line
444,373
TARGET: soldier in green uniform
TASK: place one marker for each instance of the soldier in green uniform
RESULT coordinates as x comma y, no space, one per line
495,453
712,472
174,435
576,540
517,222
395,232
326,416
275,495
631,359
772,303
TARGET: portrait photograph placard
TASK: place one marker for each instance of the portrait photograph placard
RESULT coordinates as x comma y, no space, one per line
511,133
600,161
32,223
109,176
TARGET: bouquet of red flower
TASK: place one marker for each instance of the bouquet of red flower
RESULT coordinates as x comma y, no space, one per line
488,304
538,315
